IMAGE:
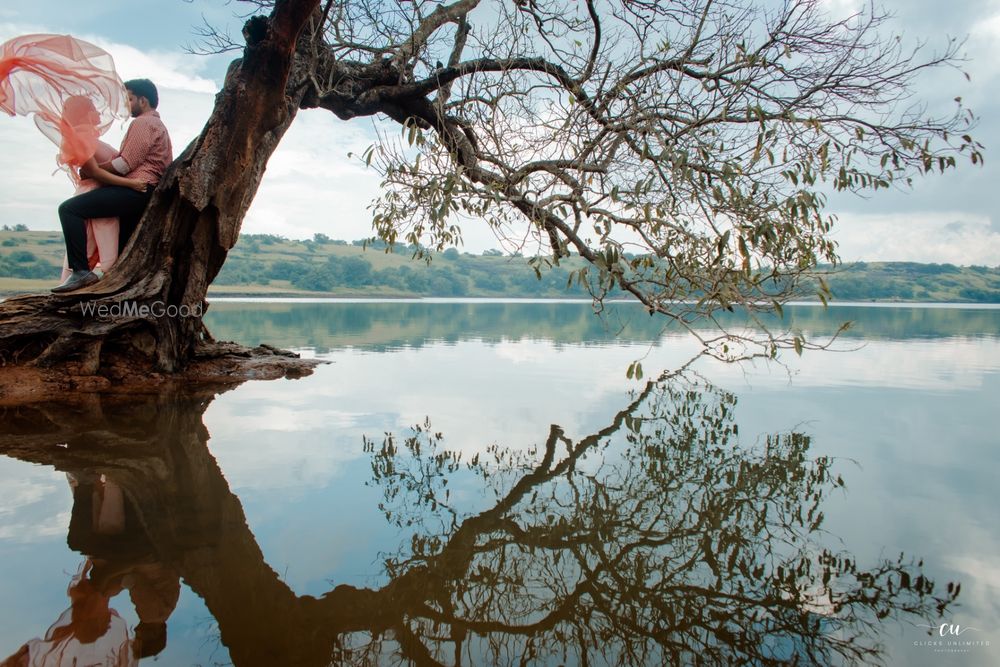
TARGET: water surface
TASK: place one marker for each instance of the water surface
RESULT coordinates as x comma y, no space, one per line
481,480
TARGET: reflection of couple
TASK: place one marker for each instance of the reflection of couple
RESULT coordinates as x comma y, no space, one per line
90,633
71,89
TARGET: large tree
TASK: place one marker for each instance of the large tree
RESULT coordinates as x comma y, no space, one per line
683,149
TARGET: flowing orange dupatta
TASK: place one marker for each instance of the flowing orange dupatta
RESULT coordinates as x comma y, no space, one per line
70,87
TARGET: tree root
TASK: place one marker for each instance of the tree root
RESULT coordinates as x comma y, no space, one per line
214,365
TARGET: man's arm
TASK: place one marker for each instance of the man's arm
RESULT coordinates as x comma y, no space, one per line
106,166
116,165
101,175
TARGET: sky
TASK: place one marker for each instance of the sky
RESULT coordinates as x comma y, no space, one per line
311,186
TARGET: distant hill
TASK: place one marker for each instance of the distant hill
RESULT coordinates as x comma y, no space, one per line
264,264
910,281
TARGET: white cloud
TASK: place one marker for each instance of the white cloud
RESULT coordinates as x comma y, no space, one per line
169,70
943,237
841,9
961,364
33,502
320,430
984,42
975,566
987,28
33,530
9,30
310,184
176,70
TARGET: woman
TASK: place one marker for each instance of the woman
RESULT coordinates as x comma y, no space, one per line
88,634
80,153
73,92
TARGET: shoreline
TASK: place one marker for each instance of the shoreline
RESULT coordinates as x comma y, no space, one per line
239,294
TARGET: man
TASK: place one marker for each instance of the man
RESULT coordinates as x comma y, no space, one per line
145,154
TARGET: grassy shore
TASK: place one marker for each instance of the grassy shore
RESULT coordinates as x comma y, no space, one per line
262,265
16,286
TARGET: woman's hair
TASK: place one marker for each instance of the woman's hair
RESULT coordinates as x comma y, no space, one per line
80,109
143,88
91,616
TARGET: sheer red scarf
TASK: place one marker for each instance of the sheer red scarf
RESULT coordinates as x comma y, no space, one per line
70,87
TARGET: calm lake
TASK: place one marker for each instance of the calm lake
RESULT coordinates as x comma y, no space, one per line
478,483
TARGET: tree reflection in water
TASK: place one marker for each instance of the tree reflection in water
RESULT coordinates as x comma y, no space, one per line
656,540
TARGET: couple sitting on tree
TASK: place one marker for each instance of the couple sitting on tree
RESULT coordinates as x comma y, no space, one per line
74,93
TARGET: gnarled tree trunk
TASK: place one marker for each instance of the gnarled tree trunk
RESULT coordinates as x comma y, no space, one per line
144,320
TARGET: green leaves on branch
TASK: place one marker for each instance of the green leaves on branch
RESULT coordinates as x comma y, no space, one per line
690,172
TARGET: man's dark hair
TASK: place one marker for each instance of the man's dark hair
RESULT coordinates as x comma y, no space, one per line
143,88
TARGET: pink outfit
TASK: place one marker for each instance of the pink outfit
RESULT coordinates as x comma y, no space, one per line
73,92
113,649
102,233
61,646
70,87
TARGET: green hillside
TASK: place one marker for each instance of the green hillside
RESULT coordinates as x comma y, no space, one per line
910,281
263,264
270,265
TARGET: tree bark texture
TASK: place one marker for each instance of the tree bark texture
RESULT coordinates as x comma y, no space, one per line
192,222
